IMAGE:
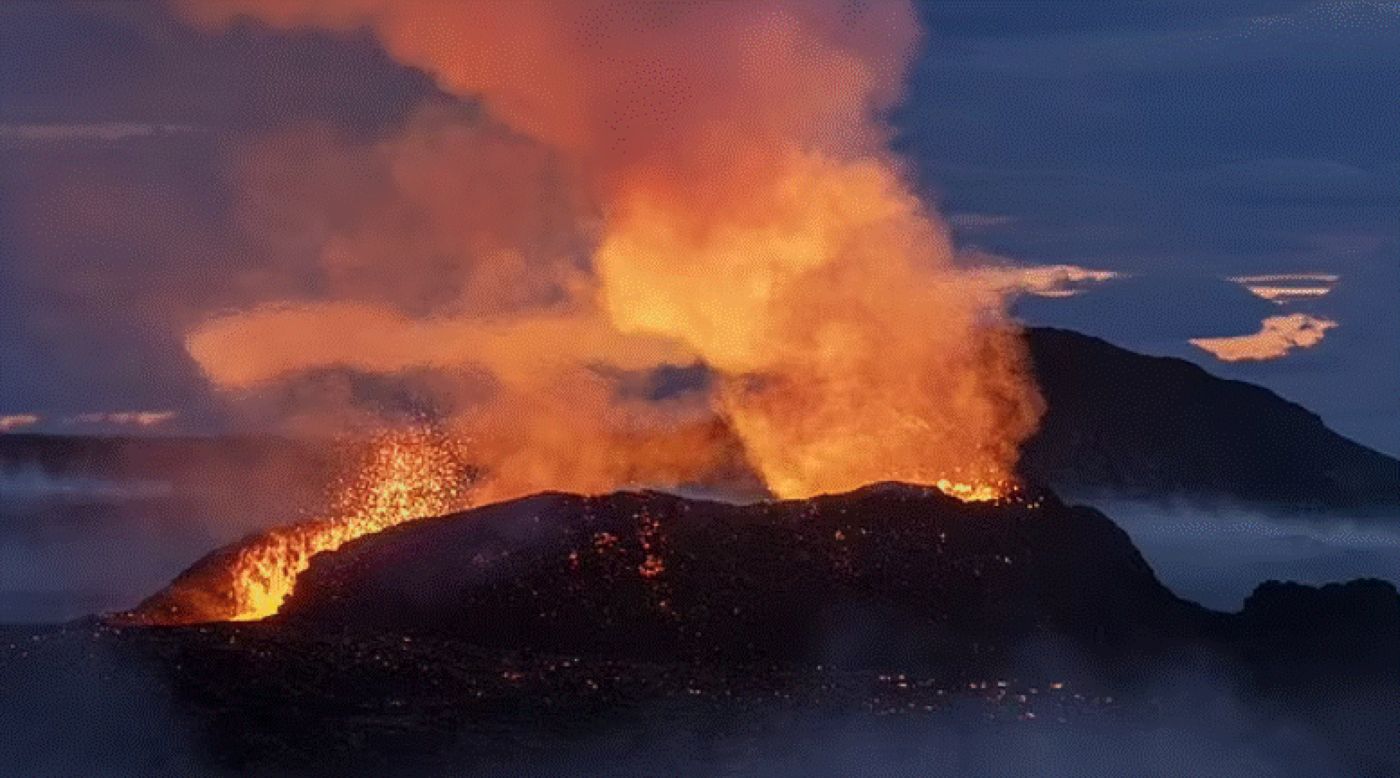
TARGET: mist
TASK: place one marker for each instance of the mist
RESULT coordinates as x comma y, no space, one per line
91,525
120,716
1216,556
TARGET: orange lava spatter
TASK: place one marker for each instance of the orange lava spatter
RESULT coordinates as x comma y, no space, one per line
405,475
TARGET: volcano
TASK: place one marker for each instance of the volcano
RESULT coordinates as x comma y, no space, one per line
888,575
560,616
891,573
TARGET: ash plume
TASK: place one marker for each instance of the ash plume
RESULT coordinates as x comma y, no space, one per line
645,185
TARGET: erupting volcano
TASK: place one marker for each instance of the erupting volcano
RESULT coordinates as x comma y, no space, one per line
698,257
573,387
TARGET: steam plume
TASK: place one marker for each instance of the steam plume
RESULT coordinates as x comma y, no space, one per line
656,184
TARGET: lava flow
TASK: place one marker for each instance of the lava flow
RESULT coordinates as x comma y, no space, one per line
400,476
408,474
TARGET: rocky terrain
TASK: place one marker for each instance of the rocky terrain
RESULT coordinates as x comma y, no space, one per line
891,574
519,636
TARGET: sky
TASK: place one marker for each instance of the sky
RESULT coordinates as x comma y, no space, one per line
1193,149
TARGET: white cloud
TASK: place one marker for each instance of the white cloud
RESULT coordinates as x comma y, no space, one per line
1046,280
1277,336
1281,288
90,132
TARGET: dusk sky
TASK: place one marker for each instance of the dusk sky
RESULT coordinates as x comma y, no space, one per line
1194,153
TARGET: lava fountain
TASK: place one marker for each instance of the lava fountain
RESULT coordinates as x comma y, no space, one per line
400,476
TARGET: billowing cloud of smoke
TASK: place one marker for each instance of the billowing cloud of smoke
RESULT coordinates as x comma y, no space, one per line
651,185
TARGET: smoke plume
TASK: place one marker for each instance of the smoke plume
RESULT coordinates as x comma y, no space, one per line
644,185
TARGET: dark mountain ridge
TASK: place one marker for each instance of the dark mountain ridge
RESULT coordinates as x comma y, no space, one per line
1124,424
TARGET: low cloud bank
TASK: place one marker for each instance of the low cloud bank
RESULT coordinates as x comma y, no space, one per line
1217,557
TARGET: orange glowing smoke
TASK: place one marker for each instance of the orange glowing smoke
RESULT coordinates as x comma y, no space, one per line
728,201
405,475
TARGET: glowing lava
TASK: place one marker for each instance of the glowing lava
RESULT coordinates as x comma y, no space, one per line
987,491
405,475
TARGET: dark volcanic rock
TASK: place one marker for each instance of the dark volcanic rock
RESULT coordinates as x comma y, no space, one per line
1307,625
887,574
524,630
1139,426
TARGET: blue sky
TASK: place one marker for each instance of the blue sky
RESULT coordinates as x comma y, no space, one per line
1179,145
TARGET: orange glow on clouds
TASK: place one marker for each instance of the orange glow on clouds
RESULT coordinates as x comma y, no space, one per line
1277,336
1285,287
16,421
123,418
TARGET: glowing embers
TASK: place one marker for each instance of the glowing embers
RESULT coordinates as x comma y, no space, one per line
651,540
989,491
402,476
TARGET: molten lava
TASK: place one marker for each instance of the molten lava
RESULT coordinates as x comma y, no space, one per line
985,491
405,475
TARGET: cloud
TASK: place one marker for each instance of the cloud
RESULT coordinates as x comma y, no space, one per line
1282,288
93,132
141,419
16,421
979,221
1151,312
1277,336
739,208
1046,280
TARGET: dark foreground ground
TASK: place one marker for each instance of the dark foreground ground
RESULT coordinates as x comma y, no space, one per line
263,699
891,630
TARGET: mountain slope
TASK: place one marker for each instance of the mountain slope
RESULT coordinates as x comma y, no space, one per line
1123,423
888,573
